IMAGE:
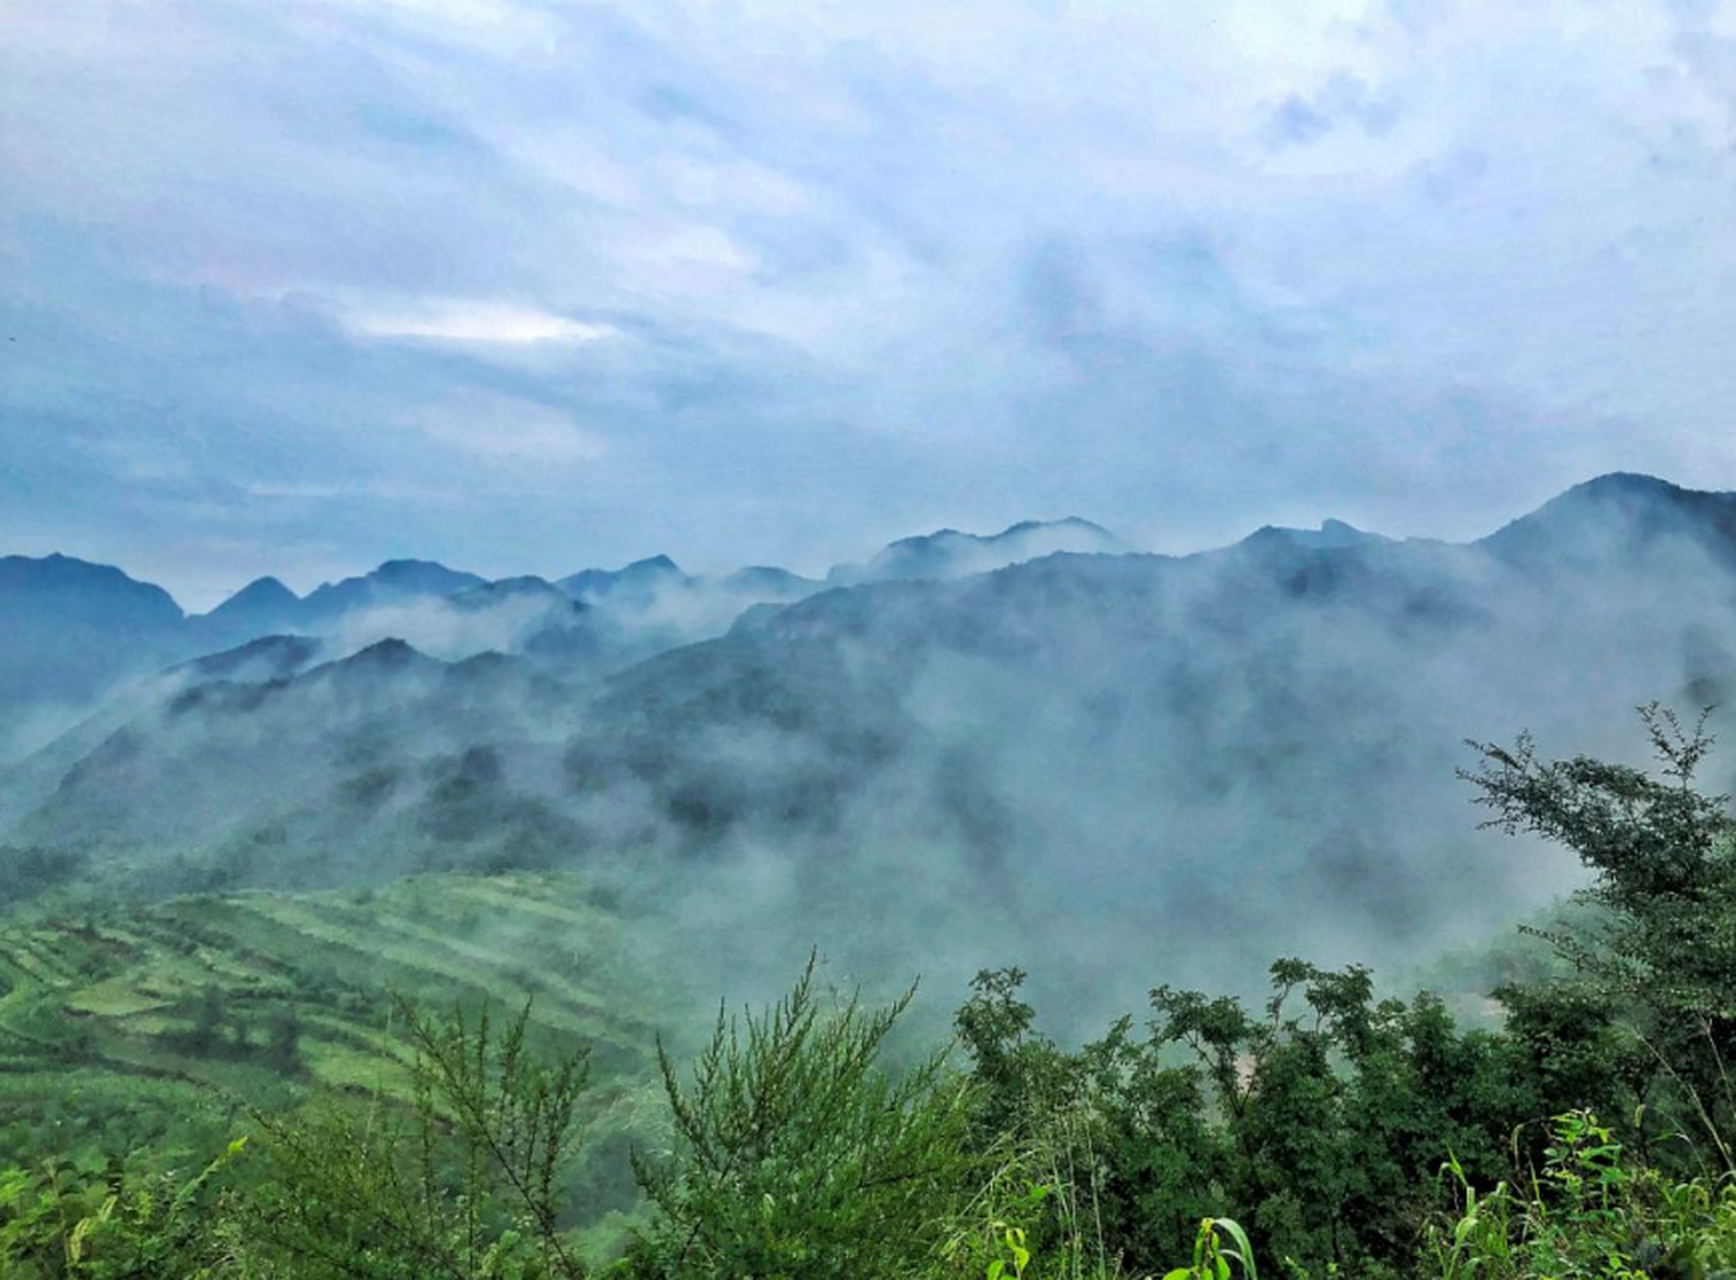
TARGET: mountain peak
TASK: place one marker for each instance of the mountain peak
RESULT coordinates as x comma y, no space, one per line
1626,489
393,581
1330,536
766,577
85,587
1626,483
417,572
640,574
390,654
1618,512
1065,522
524,587
266,657
262,595
948,553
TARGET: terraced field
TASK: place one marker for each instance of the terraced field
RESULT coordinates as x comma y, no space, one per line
159,1027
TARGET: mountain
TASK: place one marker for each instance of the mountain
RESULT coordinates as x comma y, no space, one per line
75,635
525,587
360,767
69,631
1330,535
267,658
1260,741
63,591
640,579
362,608
651,605
262,607
29,781
534,618
266,606
1083,753
394,582
1620,516
770,583
951,554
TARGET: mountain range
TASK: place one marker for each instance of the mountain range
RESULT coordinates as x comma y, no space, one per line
1162,752
75,634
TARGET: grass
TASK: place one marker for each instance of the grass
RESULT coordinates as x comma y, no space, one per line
158,1027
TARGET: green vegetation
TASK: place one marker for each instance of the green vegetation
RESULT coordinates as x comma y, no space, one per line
156,1034
218,1087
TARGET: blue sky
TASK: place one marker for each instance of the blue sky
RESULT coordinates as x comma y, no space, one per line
298,286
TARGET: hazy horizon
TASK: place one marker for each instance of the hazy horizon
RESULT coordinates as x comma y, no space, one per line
194,600
516,286
193,603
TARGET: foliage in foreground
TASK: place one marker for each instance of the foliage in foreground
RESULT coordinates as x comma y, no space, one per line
1591,1211
1343,1134
793,1147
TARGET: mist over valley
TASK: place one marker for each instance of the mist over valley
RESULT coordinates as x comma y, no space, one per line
958,752
783,641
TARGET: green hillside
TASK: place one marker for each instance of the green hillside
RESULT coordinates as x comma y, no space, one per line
154,1029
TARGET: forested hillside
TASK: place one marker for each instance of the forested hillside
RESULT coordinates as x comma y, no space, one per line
212,1088
1267,732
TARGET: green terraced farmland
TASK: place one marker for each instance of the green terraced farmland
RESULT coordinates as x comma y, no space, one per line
159,1027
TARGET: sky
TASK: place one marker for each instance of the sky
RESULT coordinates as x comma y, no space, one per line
297,287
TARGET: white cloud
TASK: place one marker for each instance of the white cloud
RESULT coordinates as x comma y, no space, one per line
833,271
463,321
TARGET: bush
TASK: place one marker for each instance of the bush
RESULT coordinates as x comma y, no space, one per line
797,1156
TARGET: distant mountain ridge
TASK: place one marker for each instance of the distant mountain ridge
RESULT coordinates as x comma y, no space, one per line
1263,736
82,591
69,632
947,553
1621,511
74,632
263,605
1330,535
642,576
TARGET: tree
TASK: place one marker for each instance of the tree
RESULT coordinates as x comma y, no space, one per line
283,1050
1664,860
210,1017
798,1156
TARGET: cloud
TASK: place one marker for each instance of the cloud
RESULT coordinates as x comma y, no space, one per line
778,283
460,321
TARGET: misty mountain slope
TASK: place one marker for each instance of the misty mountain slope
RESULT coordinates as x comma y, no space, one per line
322,764
70,630
1330,534
74,635
1097,659
1263,738
1620,516
642,578
393,582
265,606
28,782
771,582
948,553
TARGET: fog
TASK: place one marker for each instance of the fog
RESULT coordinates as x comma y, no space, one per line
1110,770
